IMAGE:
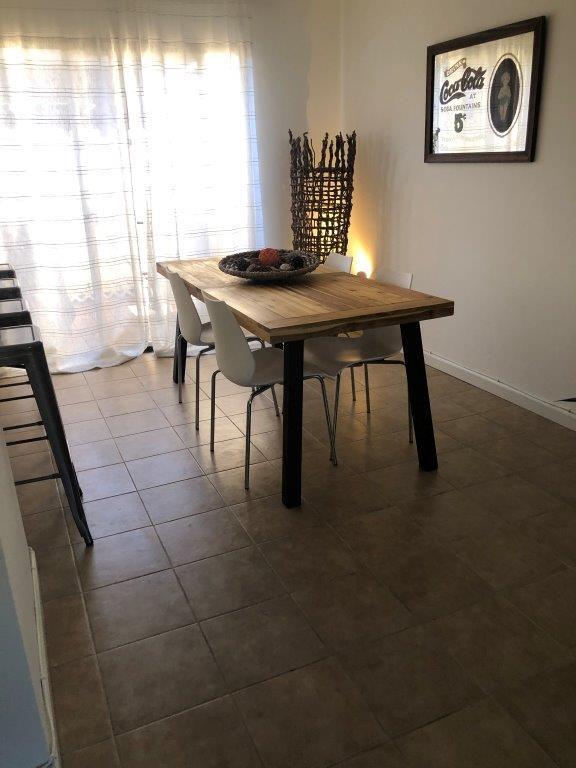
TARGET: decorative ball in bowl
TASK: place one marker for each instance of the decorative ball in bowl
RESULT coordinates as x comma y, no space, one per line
269,264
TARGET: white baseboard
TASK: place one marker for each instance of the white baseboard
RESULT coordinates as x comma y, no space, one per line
548,410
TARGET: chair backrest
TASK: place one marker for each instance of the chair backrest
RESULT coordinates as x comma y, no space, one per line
391,333
234,356
339,261
401,279
188,317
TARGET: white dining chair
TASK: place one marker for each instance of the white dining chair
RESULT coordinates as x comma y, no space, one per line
333,354
339,261
194,332
258,370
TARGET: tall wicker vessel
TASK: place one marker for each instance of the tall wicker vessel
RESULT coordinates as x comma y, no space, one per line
321,193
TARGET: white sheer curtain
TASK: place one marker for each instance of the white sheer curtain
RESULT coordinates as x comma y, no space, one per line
127,135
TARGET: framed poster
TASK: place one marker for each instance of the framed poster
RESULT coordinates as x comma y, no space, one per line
483,95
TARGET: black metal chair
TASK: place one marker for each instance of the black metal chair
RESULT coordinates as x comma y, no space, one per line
6,270
21,347
13,312
9,288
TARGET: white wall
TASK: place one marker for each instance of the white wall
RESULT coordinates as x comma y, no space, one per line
296,54
497,238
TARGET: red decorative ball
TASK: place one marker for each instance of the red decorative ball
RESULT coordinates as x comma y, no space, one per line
269,257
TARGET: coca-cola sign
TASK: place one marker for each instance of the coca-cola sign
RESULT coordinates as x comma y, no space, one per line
483,93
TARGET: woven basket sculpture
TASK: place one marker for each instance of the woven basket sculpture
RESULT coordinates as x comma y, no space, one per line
321,193
288,265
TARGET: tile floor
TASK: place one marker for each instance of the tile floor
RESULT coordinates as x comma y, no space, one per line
396,620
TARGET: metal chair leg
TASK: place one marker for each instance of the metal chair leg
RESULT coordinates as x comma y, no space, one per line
178,353
335,417
248,434
353,382
333,457
213,410
367,387
197,383
275,402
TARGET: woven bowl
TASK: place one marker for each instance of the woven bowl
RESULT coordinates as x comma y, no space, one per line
229,265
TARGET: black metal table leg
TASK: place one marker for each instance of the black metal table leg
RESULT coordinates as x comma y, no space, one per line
418,394
183,351
292,428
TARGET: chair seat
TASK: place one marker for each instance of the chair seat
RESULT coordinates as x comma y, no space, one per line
269,368
334,353
207,334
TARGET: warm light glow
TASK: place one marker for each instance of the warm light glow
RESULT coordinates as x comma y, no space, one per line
362,260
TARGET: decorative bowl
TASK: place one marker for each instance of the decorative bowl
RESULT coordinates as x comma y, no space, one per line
231,265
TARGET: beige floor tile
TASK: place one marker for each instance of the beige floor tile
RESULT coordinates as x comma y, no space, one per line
194,538
507,556
556,530
516,452
262,641
27,433
71,395
117,406
133,424
433,582
68,634
95,455
105,481
265,480
38,497
163,469
154,382
158,677
65,380
512,498
387,756
267,518
352,609
32,465
109,516
406,481
117,388
57,573
97,756
136,609
191,437
262,421
228,582
450,516
80,707
228,454
169,396
270,443
497,645
114,373
477,400
557,479
153,443
46,530
549,602
186,412
514,418
475,429
309,557
187,497
310,717
467,466
559,440
339,498
383,540
410,679
213,733
72,414
481,736
120,557
545,706
87,432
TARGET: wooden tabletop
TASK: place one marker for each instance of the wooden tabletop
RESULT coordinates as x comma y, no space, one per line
320,303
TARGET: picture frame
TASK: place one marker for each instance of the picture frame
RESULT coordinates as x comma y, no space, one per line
483,95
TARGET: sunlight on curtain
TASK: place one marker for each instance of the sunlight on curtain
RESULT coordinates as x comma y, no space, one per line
127,135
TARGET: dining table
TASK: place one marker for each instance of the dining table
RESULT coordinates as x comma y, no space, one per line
325,302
